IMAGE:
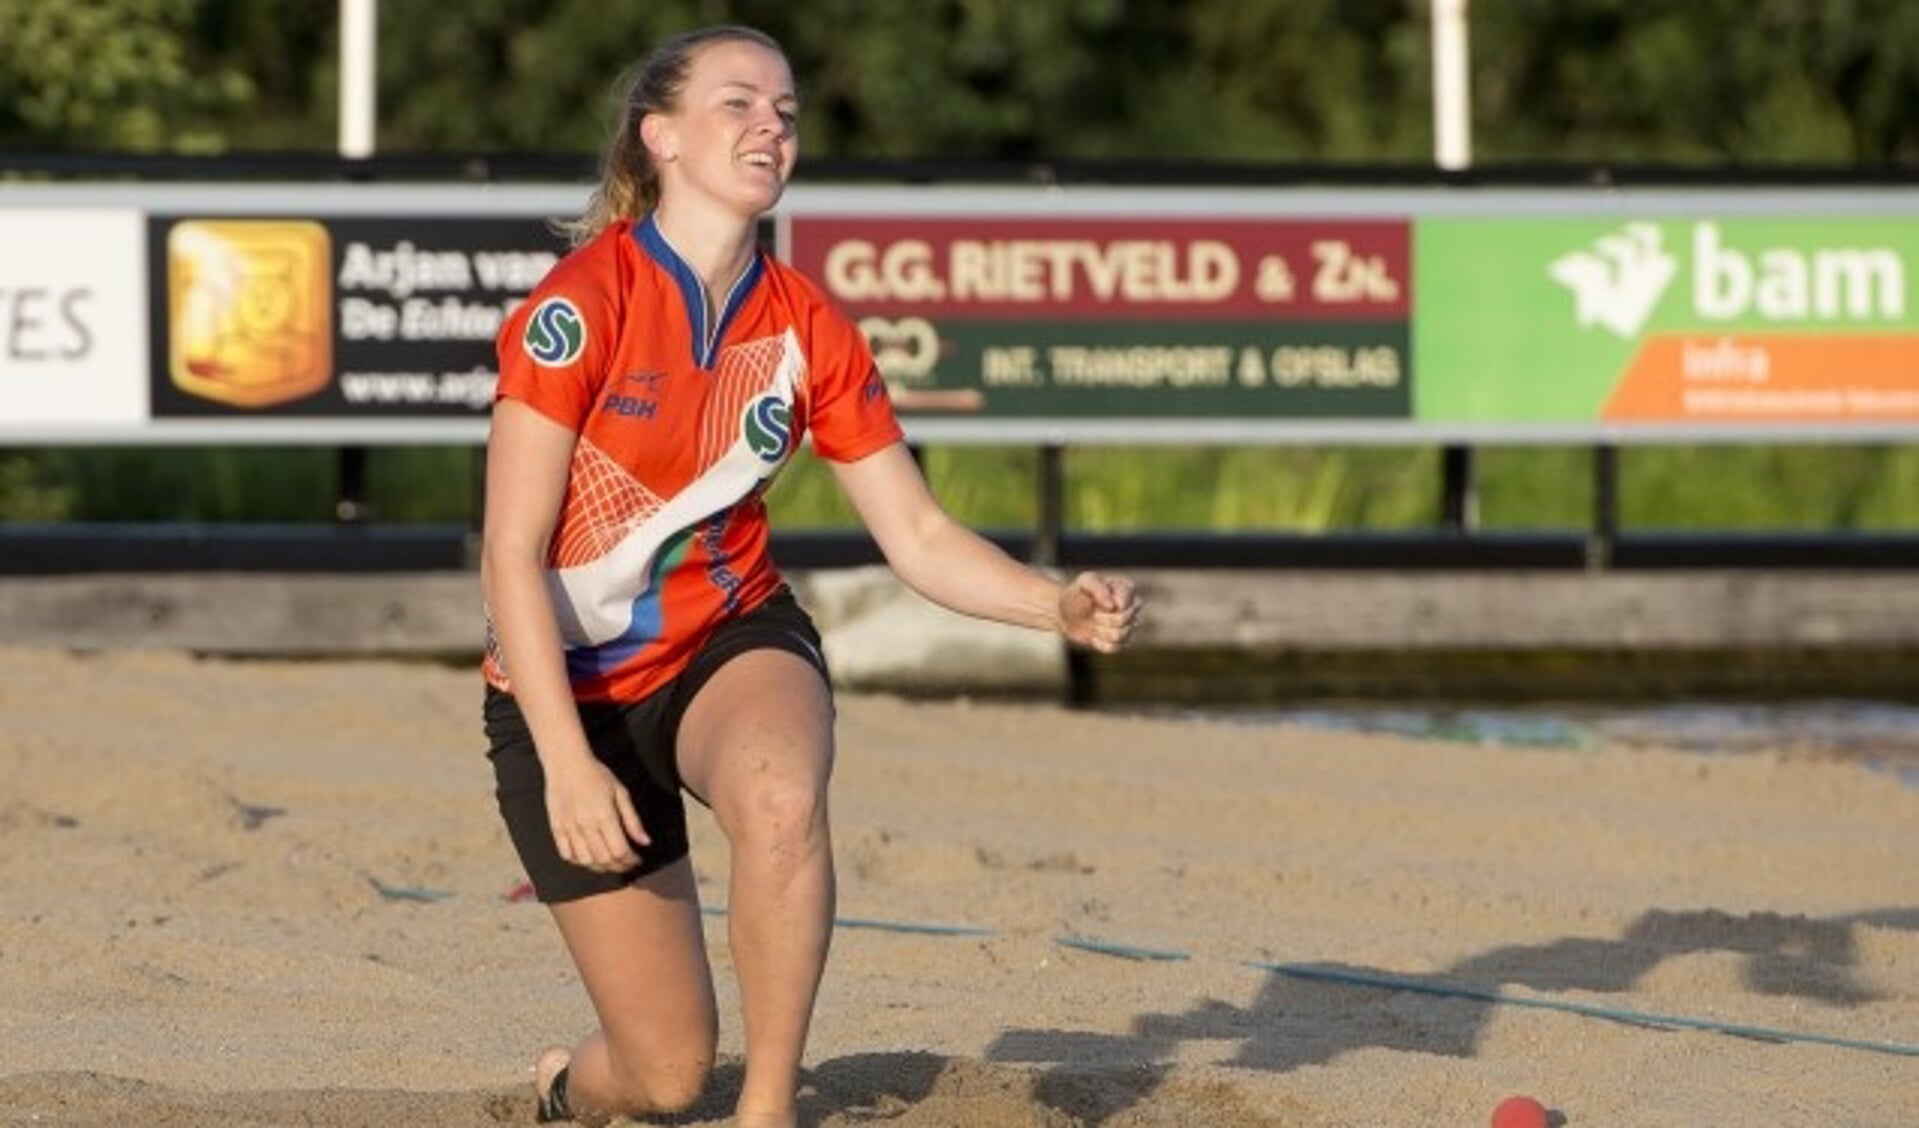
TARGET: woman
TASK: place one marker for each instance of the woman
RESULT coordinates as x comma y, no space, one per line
640,640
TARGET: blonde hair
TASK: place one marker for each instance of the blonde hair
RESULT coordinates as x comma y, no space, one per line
629,185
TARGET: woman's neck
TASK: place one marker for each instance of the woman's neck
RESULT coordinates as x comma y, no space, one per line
717,246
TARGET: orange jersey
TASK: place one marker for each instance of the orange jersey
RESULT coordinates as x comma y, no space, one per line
682,425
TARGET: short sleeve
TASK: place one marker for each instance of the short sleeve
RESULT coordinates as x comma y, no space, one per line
555,347
849,413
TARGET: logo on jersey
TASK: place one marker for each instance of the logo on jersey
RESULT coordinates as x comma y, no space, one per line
555,334
768,427
639,401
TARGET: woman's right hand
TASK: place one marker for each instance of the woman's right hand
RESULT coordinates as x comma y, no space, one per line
594,823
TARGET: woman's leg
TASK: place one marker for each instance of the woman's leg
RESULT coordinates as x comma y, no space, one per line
642,956
757,744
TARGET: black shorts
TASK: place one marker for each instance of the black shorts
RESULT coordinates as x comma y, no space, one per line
637,742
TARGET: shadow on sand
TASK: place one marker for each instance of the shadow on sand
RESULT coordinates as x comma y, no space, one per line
1292,1023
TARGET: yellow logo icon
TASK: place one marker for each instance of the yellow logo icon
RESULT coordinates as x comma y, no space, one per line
250,308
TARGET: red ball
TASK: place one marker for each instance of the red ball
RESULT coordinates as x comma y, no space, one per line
1521,1112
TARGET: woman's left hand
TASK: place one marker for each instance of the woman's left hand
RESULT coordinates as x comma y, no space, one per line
1098,611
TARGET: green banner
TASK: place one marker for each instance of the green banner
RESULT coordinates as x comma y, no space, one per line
1704,320
1057,369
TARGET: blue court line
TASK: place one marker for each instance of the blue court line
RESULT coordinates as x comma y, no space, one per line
1123,951
906,926
1384,981
1613,1014
407,892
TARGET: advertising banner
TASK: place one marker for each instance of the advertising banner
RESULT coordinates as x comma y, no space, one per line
1737,322
335,317
73,302
354,313
1000,317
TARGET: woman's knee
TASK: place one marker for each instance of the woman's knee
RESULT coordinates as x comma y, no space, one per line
780,814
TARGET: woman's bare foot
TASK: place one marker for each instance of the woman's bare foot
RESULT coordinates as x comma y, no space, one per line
546,1069
787,1119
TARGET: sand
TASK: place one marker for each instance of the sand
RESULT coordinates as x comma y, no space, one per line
277,893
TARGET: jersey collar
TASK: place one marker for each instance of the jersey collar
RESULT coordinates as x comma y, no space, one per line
706,338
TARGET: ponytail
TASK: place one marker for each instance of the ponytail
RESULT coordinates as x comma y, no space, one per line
629,187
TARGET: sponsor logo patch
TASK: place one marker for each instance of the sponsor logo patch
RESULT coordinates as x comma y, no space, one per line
555,334
768,426
631,407
249,306
1619,279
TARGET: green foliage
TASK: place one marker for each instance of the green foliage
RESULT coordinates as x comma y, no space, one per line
113,74
1534,489
989,487
190,484
1259,80
288,52
985,487
27,496
1282,80
520,75
1240,489
1863,488
425,484
805,496
1697,80
1107,489
403,484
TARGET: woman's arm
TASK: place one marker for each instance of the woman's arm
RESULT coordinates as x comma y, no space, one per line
961,570
526,468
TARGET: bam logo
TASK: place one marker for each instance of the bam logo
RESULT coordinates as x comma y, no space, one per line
768,427
1789,284
1619,282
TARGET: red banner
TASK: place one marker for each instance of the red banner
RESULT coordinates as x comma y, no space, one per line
1062,269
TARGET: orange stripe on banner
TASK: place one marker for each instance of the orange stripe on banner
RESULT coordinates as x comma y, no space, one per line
1771,377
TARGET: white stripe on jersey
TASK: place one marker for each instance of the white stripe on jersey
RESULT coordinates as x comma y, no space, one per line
594,600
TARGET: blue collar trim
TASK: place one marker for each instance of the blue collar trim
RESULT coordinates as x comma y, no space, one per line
706,339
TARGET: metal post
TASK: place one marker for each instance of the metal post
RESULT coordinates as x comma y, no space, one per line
350,505
1046,553
1452,86
359,43
1453,149
1052,506
1459,502
1605,530
359,52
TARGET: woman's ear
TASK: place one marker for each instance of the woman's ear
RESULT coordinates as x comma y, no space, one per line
656,133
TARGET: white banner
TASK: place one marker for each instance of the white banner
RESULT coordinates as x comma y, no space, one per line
73,318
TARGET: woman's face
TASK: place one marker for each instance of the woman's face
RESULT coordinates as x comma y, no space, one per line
735,137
